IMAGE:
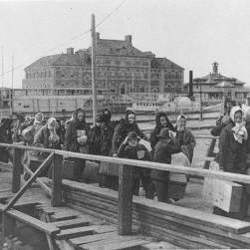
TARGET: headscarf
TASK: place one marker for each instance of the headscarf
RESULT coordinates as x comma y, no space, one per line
239,130
179,128
38,118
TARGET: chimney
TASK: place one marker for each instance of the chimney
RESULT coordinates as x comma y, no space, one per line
97,35
215,68
70,51
128,39
190,85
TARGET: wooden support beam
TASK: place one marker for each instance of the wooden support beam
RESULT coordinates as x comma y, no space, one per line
47,228
57,181
29,182
17,170
46,189
125,200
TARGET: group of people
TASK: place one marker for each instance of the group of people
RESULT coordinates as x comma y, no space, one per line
106,137
233,129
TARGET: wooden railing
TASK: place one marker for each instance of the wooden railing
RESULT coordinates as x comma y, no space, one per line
125,177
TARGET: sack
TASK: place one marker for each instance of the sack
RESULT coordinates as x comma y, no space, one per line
178,181
225,195
181,160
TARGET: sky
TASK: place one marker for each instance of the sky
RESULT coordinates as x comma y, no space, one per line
191,33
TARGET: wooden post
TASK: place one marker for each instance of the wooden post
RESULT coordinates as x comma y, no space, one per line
16,173
57,181
125,200
29,182
93,66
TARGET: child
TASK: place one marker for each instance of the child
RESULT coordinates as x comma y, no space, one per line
132,149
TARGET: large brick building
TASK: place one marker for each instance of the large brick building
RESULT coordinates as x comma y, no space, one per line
121,69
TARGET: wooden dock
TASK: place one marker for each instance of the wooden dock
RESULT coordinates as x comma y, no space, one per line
85,216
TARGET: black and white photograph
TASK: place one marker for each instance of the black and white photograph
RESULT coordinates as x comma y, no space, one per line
124,124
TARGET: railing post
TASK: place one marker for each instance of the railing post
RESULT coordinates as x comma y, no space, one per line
57,180
210,153
17,170
125,200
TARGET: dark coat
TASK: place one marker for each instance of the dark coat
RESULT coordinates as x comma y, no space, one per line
186,141
107,131
71,143
158,127
122,130
126,151
216,131
5,137
232,155
94,140
162,153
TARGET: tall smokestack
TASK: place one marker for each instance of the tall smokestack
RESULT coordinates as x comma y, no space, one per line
190,87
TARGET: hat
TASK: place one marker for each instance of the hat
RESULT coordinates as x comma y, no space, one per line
132,136
164,133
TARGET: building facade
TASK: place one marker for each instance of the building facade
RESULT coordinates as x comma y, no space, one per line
212,88
121,69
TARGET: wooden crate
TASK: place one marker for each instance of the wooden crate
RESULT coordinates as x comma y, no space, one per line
223,194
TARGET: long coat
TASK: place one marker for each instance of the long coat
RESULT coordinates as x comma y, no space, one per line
121,130
71,143
94,140
154,135
232,154
186,141
162,153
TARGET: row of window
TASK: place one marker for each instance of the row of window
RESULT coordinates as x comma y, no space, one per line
122,63
37,75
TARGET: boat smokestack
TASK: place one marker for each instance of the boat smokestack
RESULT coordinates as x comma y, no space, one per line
190,85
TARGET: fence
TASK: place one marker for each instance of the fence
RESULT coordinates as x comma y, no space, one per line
125,181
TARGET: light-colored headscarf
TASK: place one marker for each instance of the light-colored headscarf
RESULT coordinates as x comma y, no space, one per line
39,118
239,130
52,124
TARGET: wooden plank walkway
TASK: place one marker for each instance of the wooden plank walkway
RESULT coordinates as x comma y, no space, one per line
76,230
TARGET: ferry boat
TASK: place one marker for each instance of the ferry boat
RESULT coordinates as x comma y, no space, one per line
59,102
177,105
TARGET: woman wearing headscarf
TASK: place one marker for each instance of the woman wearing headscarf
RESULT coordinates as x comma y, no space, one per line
125,126
224,119
162,121
94,140
233,152
107,131
184,137
121,131
232,144
29,132
164,148
47,136
76,137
